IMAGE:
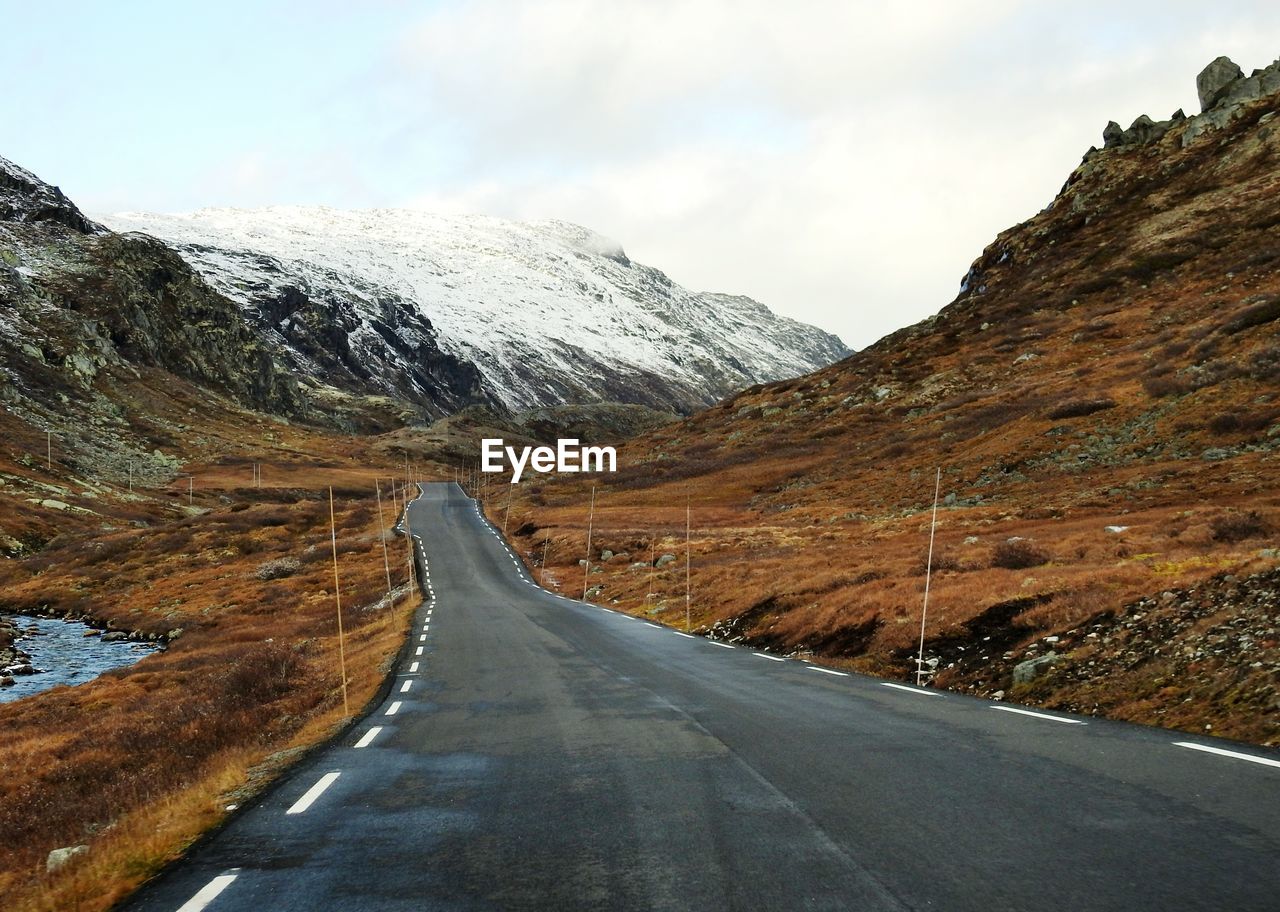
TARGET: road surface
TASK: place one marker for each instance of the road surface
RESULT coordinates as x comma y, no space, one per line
538,753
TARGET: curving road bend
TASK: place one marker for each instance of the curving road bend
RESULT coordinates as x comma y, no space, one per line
539,753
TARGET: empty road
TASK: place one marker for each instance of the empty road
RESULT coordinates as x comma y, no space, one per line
538,753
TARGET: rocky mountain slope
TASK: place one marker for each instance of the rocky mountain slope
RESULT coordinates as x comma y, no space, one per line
1103,400
510,314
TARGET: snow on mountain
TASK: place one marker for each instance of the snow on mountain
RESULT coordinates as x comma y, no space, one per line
511,313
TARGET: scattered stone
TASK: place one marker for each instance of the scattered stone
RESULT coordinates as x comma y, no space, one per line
60,857
665,559
1116,530
115,636
606,555
1028,671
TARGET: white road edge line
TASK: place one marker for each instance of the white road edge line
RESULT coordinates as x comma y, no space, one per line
765,655
654,626
1027,712
722,645
367,738
418,651
911,690
393,709
1226,753
208,893
413,668
828,671
313,793
404,688
687,636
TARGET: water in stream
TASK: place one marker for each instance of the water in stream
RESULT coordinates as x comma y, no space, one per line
65,655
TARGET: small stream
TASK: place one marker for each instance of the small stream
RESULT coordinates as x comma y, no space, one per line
65,655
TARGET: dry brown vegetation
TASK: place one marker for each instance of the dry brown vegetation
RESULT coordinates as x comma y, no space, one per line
139,762
1114,363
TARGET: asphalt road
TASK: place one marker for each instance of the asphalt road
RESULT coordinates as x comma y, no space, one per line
544,754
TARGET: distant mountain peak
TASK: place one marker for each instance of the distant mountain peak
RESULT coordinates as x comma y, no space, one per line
545,312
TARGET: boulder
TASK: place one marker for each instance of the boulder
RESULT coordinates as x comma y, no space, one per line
1214,81
1025,672
59,857
606,555
665,559
115,636
1112,135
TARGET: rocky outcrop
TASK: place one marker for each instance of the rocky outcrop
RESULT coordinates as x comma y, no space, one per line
1215,79
1223,90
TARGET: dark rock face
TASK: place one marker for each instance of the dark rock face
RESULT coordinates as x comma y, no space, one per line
1215,79
26,198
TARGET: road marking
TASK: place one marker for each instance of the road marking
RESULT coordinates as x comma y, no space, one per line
413,669
654,626
765,655
313,793
393,709
208,893
1226,753
721,645
368,736
687,636
912,690
1027,712
843,674
404,688
418,651
422,638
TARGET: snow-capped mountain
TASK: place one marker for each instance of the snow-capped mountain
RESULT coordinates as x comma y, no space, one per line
445,310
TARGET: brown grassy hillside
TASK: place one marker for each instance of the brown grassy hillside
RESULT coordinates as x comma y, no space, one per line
1103,400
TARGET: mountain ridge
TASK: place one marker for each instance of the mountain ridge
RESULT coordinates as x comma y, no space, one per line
545,312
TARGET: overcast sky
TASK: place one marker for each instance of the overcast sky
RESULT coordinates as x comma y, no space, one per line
843,162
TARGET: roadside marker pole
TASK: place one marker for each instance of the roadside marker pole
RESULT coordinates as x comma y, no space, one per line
382,533
337,595
48,450
542,571
191,489
507,515
687,536
408,540
928,573
653,551
586,570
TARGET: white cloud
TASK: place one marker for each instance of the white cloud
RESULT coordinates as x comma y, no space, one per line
841,161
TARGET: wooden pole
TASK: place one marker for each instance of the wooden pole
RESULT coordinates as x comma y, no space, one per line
687,536
586,570
653,556
337,595
542,571
382,532
408,537
928,573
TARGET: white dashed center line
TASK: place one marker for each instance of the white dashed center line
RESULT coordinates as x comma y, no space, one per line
765,655
368,736
313,793
423,638
208,893
687,636
418,651
393,708
912,690
413,668
721,645
1235,755
654,626
843,674
404,688
1027,712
